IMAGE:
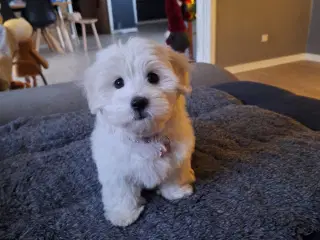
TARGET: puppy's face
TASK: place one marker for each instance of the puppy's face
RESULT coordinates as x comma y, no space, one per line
135,85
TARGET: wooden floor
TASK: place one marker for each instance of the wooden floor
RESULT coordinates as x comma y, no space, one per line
302,78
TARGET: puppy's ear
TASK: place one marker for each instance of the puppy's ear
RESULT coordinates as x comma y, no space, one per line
182,68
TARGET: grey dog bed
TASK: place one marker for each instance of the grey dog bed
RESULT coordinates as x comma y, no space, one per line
257,178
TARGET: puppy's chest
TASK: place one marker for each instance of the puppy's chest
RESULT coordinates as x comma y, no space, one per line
152,162
152,150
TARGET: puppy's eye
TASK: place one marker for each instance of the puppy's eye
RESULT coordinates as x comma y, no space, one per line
119,83
153,78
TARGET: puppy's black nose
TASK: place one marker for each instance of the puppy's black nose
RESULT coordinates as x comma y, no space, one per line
139,103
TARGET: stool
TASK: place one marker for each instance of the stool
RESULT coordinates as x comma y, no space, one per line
77,18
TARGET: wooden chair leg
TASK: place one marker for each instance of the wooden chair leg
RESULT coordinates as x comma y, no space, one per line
75,35
38,37
60,36
47,39
94,29
53,41
84,37
64,32
66,37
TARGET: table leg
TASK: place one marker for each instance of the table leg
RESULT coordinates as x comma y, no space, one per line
60,36
74,33
64,31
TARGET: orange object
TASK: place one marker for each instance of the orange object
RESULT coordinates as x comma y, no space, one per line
18,56
27,62
10,32
18,85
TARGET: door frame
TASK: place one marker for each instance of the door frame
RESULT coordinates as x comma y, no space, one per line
206,30
135,11
109,5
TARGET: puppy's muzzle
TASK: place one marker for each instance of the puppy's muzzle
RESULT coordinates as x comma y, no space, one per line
139,105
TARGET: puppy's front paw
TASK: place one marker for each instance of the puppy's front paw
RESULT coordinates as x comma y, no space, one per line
174,192
124,218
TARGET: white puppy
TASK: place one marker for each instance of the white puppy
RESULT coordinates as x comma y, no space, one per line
143,137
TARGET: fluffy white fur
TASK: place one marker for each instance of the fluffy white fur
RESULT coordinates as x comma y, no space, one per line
126,166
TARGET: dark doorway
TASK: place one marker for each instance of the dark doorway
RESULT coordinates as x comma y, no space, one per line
148,10
123,14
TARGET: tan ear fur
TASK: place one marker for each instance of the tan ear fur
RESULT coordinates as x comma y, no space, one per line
181,67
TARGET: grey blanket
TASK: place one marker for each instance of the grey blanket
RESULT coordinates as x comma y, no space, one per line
257,178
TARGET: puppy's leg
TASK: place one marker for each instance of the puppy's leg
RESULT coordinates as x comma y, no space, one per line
179,184
122,203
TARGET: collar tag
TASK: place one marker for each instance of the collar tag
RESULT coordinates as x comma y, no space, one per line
165,147
164,141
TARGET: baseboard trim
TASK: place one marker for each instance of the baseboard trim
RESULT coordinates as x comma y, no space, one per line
161,20
312,57
266,63
125,30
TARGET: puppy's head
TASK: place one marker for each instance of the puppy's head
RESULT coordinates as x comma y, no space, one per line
135,85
